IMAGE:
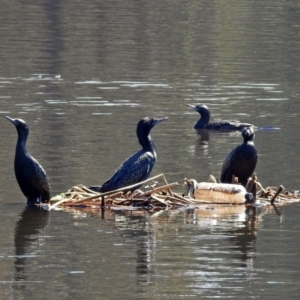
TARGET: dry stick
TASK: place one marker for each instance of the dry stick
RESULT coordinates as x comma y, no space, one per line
120,201
195,201
98,195
81,204
79,193
131,186
72,195
159,200
138,199
260,186
182,198
90,198
82,191
169,189
88,190
159,189
276,194
58,203
112,196
176,201
172,200
77,188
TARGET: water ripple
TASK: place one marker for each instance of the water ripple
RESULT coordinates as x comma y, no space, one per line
53,101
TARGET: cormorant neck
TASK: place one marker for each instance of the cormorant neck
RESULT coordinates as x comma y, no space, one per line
248,142
204,119
251,142
147,143
21,142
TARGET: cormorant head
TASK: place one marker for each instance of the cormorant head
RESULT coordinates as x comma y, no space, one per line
20,124
202,109
248,134
145,125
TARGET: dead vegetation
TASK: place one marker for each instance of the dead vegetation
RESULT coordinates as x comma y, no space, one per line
158,195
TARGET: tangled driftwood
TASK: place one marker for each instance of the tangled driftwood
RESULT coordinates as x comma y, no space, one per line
158,195
154,197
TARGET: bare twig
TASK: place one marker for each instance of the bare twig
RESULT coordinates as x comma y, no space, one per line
276,194
159,200
169,189
56,204
159,189
186,200
130,187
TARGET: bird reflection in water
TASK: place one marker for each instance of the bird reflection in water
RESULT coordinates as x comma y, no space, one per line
28,237
142,230
134,225
203,139
244,238
205,136
238,223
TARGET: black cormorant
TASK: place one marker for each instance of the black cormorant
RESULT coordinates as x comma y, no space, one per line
203,122
241,161
31,177
138,166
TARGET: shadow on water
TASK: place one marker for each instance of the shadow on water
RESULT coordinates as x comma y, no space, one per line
28,238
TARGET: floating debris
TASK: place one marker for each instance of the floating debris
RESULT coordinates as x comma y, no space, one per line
153,198
216,193
278,194
158,195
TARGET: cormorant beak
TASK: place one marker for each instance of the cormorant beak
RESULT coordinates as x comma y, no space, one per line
193,107
10,119
160,120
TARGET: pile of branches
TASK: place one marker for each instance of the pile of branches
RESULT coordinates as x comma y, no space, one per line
154,197
279,194
157,195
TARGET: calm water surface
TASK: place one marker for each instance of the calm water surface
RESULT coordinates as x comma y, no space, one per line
82,74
